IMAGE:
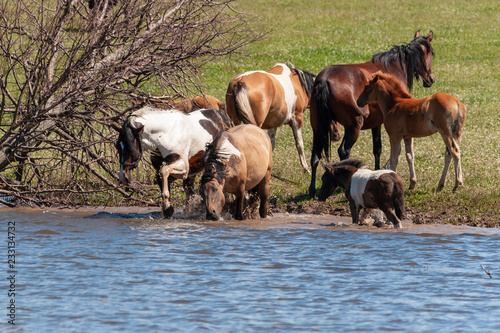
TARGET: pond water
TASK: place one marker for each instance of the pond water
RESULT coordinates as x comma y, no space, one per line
105,270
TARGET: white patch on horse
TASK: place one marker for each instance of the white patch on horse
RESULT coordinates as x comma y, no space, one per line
358,183
286,83
227,149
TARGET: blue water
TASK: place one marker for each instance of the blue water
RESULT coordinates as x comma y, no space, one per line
103,272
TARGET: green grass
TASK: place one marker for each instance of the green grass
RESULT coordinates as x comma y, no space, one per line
314,34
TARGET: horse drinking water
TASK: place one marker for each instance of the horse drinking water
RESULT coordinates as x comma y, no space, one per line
382,189
407,118
270,99
178,142
238,160
337,87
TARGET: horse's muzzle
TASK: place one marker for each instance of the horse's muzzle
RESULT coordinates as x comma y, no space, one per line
429,82
213,216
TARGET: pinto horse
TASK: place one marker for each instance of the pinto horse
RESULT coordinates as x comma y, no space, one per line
407,118
337,87
187,105
382,189
270,99
238,160
177,140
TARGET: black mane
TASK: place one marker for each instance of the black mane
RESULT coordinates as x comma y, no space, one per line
409,56
306,80
349,162
214,166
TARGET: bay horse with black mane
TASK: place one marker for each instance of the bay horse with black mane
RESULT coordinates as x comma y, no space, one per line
381,189
271,98
407,118
177,140
337,88
238,160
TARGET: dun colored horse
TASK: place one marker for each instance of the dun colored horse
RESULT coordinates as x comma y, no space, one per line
407,118
238,160
187,105
382,189
270,99
177,140
337,87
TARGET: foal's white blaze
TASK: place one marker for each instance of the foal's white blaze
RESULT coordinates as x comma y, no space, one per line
286,83
359,180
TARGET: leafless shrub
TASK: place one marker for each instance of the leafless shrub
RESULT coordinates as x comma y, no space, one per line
67,72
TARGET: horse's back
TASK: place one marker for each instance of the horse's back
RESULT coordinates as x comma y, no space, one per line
255,145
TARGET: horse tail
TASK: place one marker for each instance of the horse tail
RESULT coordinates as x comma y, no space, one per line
242,105
399,199
458,125
321,93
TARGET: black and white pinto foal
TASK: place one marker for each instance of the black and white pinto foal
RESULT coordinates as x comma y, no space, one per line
177,140
382,189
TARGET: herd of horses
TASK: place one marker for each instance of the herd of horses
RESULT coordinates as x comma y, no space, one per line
204,135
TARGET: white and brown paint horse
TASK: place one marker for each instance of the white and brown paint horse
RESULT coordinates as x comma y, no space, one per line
381,189
270,99
177,140
407,118
238,160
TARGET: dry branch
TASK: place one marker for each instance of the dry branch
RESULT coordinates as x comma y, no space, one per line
67,74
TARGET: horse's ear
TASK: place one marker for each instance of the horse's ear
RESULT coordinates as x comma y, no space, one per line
417,34
430,36
136,126
327,167
138,129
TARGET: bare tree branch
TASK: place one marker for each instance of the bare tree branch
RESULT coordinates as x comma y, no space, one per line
66,77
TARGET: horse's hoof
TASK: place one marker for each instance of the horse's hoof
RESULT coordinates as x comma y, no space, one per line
168,212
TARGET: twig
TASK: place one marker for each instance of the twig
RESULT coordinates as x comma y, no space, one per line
487,272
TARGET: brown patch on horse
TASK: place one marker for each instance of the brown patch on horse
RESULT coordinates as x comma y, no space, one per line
196,162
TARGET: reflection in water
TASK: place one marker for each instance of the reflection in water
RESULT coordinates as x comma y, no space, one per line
92,270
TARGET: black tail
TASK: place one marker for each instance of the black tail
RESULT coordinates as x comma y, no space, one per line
399,200
321,92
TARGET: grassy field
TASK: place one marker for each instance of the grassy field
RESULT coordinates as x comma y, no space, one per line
314,34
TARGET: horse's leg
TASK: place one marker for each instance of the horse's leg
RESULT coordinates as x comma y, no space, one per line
272,135
315,156
395,151
167,208
350,137
410,157
263,189
391,216
188,185
240,200
299,144
354,212
377,145
452,151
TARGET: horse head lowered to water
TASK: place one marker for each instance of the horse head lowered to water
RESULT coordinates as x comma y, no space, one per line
178,142
382,189
407,118
238,160
337,87
271,98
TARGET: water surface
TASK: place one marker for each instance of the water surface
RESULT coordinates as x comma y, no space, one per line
96,270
